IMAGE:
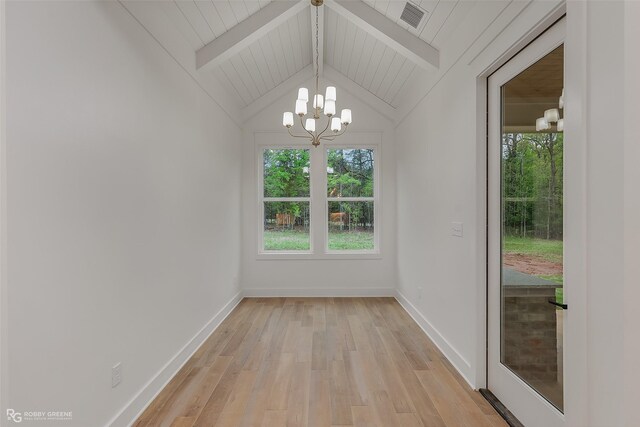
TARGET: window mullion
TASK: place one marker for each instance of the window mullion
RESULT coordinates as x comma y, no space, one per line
317,200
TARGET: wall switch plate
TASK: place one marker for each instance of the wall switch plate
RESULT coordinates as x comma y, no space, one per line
456,229
116,374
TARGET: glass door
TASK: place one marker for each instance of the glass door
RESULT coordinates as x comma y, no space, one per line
525,306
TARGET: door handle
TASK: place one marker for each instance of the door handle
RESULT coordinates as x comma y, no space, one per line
557,304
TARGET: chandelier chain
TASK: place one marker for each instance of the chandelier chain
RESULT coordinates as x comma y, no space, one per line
317,134
317,56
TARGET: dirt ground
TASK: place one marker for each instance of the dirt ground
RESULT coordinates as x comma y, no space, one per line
531,264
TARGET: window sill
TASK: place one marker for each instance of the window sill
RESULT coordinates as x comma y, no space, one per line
330,256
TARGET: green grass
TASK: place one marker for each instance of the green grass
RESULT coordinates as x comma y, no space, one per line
351,240
286,240
550,250
294,240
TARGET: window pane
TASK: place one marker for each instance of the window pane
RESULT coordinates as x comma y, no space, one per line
351,226
286,226
286,173
350,173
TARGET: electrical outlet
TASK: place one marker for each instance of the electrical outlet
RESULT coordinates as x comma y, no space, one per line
419,292
116,374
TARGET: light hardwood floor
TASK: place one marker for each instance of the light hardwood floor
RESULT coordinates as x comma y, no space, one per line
318,362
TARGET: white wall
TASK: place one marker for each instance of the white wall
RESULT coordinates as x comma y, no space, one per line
601,72
440,170
632,213
122,200
613,209
439,160
319,276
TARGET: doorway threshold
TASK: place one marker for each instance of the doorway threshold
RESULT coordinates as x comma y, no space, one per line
500,408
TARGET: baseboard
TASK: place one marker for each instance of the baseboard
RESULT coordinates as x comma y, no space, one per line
320,292
151,389
456,359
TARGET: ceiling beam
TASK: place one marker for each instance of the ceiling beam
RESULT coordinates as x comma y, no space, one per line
246,32
388,32
312,12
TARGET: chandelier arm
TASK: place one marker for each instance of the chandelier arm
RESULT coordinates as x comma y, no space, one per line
296,136
325,128
305,129
332,137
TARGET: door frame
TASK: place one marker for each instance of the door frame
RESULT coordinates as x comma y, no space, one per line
482,203
575,322
518,396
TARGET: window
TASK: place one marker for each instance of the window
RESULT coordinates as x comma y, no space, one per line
286,200
318,202
350,199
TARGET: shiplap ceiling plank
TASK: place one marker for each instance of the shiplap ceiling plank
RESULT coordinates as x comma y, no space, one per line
268,62
394,36
455,19
358,51
374,61
285,44
339,42
212,17
269,56
364,95
193,14
278,51
247,32
294,36
252,66
252,6
347,50
175,15
363,42
391,74
262,66
382,68
226,14
239,10
369,44
316,20
305,29
243,73
331,24
239,86
438,19
398,82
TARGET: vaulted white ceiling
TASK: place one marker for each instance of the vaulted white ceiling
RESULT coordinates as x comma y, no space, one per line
364,59
269,61
247,51
201,21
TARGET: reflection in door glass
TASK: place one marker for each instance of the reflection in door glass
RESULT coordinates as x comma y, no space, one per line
532,229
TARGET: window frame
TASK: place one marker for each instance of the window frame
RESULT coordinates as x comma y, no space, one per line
374,199
318,198
262,200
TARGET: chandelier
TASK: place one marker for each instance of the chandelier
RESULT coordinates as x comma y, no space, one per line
326,104
552,116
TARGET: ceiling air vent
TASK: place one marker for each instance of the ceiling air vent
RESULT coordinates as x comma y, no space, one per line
412,14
